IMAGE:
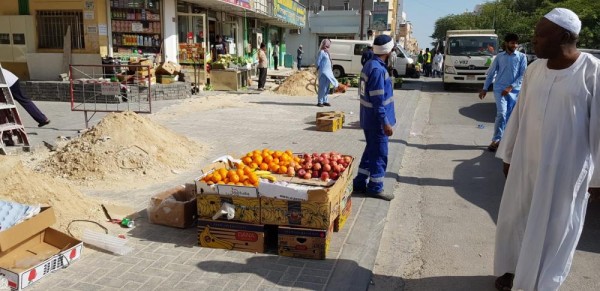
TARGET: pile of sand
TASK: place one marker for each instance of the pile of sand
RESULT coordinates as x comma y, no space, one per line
24,186
123,147
303,83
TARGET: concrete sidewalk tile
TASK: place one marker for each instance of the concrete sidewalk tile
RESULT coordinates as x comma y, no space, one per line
274,276
131,286
118,270
112,282
312,279
94,276
151,283
315,272
180,268
273,288
146,255
161,262
182,259
189,286
131,260
273,266
86,287
168,251
295,262
135,277
143,264
157,272
309,285
233,285
321,265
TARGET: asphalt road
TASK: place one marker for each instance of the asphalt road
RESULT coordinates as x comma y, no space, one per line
441,226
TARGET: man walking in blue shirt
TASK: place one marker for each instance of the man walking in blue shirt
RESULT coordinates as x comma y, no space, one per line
508,68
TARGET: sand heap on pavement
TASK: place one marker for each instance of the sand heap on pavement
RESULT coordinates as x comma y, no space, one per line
302,83
123,147
24,186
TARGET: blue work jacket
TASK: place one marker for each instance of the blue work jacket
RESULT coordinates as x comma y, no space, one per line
376,96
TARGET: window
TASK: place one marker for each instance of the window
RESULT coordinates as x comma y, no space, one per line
359,49
52,27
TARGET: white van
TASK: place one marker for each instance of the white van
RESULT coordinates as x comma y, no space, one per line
346,55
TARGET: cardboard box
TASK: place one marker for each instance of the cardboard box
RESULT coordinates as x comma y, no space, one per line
303,243
231,235
144,73
175,207
247,209
25,258
329,123
320,208
339,222
139,65
210,198
165,79
168,68
332,113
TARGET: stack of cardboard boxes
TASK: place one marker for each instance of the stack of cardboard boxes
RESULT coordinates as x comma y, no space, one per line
144,71
32,249
300,221
167,72
330,120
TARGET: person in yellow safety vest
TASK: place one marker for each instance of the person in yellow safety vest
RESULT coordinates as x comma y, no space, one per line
428,63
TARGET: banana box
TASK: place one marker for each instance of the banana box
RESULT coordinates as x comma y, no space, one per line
246,209
329,123
345,208
231,235
316,207
332,113
303,242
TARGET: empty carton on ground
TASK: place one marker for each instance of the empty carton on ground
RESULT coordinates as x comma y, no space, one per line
175,207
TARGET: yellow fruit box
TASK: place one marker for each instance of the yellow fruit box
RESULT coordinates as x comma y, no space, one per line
212,198
332,113
329,123
317,207
303,243
231,235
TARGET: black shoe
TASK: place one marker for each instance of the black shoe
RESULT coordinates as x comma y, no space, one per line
9,142
44,123
382,195
320,104
326,104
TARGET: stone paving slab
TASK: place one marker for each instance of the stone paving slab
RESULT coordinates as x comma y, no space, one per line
167,258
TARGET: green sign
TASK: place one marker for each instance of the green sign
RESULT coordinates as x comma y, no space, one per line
290,11
380,16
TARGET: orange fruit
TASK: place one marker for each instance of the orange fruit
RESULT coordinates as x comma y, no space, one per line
289,153
254,166
268,158
247,160
247,170
278,154
239,184
283,170
258,159
223,172
255,184
274,168
256,152
253,178
210,182
235,178
264,166
221,183
230,183
216,177
239,172
276,160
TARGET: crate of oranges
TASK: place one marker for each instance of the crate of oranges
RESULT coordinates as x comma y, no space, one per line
235,184
274,161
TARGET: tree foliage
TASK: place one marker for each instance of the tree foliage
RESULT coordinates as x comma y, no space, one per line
520,17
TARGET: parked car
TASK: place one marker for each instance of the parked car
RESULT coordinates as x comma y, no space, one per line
346,55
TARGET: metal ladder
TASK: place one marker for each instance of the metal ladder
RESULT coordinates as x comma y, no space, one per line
10,121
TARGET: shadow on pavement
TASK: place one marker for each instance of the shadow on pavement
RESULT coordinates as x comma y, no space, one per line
481,283
289,272
441,147
147,232
590,237
481,112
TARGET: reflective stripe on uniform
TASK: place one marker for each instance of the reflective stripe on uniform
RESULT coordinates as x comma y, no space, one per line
363,171
365,103
376,92
387,75
364,76
376,180
388,101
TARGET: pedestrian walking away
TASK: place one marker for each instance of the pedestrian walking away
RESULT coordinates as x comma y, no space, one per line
428,62
325,74
299,54
12,81
262,66
366,55
377,118
276,55
550,150
508,69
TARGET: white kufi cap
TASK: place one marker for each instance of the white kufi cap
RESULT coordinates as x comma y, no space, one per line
565,18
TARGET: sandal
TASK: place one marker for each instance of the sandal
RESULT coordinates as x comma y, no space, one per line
505,282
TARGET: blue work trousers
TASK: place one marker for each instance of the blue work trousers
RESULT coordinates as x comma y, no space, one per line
323,93
373,163
27,104
504,107
299,63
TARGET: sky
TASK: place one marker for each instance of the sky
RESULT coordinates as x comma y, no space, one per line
423,14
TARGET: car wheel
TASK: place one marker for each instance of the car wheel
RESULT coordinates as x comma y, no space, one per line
338,71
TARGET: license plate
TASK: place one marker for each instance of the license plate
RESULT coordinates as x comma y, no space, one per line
470,77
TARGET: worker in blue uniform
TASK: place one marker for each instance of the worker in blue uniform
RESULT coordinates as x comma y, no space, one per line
377,118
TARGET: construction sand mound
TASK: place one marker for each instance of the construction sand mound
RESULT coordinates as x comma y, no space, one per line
303,83
24,186
123,147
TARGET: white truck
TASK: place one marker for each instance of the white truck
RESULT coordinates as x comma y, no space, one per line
468,55
346,55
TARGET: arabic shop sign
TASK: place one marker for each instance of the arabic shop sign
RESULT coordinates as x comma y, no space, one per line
241,3
290,11
380,16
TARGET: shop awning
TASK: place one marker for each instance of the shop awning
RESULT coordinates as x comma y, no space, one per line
231,8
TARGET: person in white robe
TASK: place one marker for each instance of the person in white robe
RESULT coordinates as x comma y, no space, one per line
438,64
550,148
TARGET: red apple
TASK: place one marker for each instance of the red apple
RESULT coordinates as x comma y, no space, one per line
317,166
324,176
307,176
327,167
315,174
334,175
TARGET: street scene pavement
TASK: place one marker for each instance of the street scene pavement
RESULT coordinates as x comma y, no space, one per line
437,234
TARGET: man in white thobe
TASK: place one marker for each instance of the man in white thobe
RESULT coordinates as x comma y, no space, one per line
550,148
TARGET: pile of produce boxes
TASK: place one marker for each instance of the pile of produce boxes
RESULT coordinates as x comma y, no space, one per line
298,200
330,120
